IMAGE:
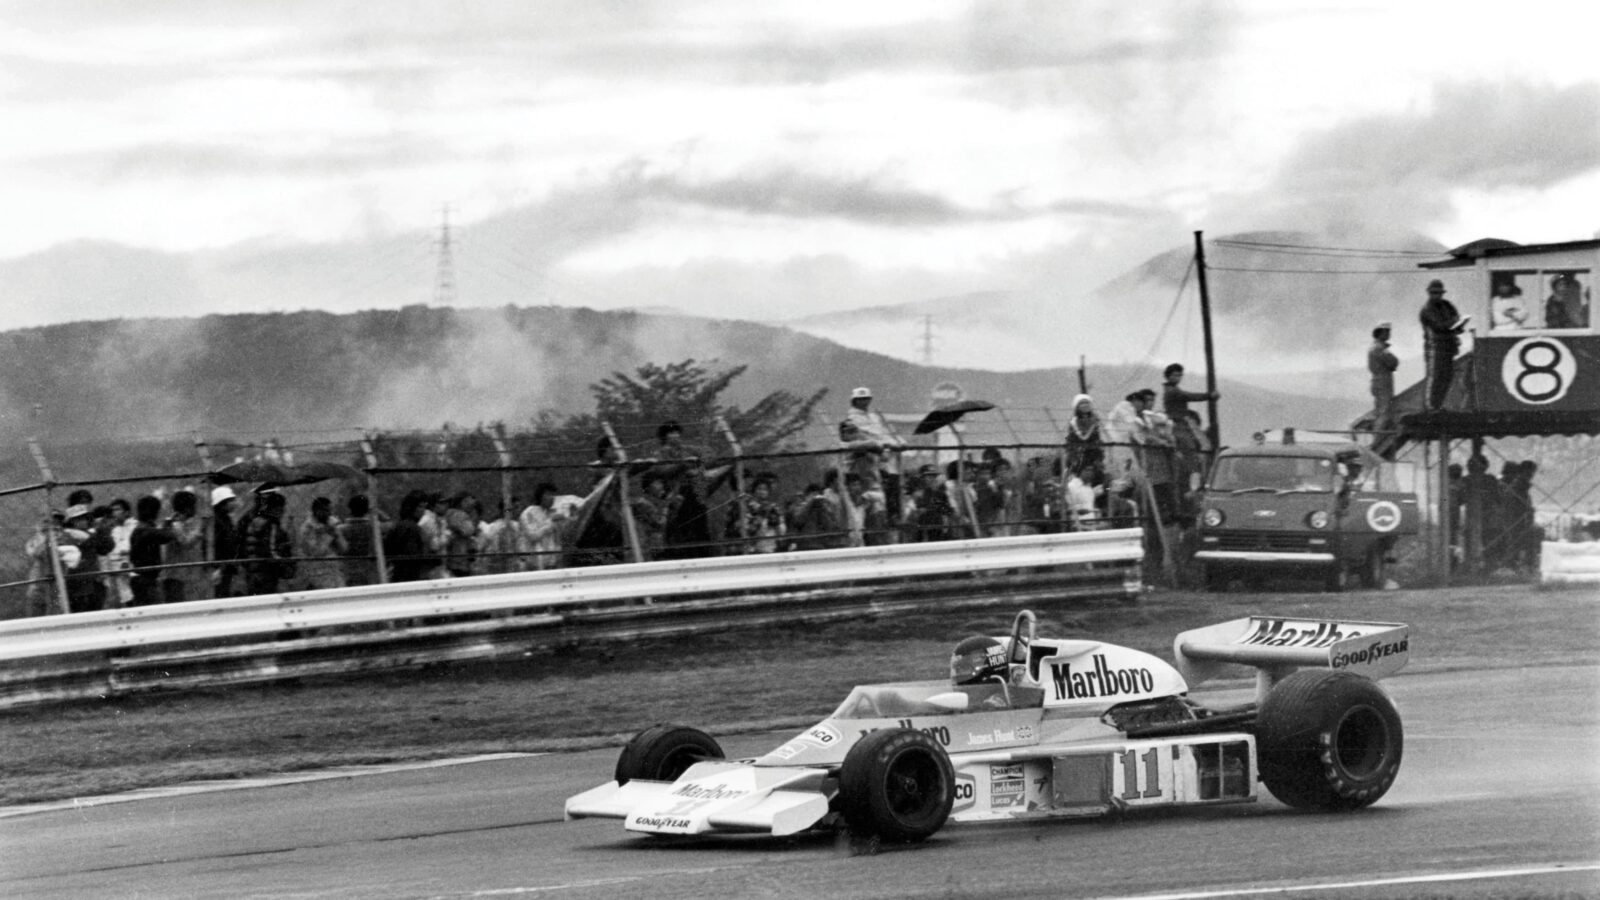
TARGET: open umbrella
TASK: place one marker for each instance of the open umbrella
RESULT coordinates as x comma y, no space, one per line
949,414
268,472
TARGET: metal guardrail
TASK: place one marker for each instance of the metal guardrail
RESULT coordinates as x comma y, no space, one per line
386,626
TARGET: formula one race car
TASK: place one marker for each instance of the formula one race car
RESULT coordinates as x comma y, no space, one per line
1031,728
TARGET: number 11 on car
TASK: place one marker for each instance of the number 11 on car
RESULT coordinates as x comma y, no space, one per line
1138,773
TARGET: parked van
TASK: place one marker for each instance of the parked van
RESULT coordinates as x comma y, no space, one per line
1328,509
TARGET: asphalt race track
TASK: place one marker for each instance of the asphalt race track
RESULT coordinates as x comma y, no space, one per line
1499,795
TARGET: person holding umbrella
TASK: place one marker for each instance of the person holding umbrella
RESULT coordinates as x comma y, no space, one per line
867,435
267,549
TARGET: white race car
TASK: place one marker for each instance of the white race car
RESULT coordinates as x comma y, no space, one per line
1030,728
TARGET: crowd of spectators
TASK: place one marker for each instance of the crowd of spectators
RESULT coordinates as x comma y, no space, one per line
670,501
1508,536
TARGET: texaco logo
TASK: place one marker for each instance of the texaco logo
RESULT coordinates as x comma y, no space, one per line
1383,516
1538,370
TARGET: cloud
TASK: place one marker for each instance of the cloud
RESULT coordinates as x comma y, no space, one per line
1402,168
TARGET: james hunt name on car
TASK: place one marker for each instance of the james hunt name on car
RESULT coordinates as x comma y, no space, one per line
1100,681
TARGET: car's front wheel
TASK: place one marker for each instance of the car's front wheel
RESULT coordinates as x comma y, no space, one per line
663,752
896,784
1328,740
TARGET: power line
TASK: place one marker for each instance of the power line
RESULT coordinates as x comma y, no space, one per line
1313,271
1371,251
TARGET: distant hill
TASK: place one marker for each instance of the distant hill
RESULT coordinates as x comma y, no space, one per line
420,367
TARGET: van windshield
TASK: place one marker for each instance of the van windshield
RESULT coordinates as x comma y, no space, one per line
1273,474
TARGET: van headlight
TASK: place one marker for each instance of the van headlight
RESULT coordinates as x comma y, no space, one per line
1318,519
1211,518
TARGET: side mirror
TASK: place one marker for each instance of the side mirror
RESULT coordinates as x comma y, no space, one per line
952,701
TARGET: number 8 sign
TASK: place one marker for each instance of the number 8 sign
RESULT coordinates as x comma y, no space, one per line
1538,370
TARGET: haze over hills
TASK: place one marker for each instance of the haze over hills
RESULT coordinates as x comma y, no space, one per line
1296,321
1291,332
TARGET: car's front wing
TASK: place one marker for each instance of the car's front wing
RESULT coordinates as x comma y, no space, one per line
714,797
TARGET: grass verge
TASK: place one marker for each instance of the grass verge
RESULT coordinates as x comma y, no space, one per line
726,683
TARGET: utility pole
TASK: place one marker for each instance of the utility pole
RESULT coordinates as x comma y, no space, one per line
1083,376
444,289
1212,430
927,340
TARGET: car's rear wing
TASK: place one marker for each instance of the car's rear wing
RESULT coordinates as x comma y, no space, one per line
1277,646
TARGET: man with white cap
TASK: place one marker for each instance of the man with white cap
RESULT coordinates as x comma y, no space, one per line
867,436
224,540
1381,363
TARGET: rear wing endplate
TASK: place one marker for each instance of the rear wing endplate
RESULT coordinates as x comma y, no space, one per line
1279,646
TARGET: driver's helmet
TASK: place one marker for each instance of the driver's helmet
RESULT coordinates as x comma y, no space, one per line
977,659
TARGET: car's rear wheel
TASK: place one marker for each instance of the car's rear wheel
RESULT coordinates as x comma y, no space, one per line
663,752
1328,740
896,784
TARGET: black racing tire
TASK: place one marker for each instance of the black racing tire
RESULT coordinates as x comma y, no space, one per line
1328,740
663,752
896,784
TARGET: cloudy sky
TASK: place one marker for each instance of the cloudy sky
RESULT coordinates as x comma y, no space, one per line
765,159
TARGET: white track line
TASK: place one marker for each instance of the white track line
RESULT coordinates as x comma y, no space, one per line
1434,877
238,784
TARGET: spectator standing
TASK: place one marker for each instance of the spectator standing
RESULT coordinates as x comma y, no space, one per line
1381,365
144,552
992,492
1081,498
688,530
320,548
1485,503
814,518
961,496
434,532
118,589
360,558
930,512
1174,399
871,442
265,547
500,544
405,545
542,527
864,520
460,534
764,517
651,508
1159,462
1528,539
185,577
1186,442
1085,441
1441,334
1455,498
225,540
78,546
41,595
1123,426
